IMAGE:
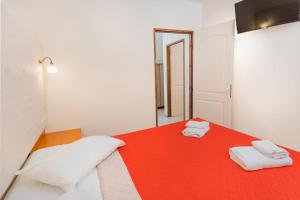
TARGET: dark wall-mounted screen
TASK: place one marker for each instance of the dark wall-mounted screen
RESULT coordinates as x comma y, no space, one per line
259,14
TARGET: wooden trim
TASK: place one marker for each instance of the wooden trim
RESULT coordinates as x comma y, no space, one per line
32,150
173,43
57,138
163,30
191,34
169,79
191,75
155,77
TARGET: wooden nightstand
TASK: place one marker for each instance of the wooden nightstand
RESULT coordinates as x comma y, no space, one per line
57,138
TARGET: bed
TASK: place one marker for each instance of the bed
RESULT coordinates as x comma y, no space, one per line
162,164
165,165
110,180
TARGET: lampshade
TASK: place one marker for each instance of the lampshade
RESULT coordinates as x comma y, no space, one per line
52,69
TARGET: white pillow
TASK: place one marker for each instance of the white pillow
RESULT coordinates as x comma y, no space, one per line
68,164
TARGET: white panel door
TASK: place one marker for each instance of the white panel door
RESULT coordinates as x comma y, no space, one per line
213,73
177,79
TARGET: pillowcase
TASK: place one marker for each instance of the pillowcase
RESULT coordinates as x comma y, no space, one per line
67,164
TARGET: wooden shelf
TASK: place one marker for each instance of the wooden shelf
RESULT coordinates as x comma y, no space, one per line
57,138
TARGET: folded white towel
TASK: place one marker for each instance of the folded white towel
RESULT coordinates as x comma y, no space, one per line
196,124
250,159
195,132
270,149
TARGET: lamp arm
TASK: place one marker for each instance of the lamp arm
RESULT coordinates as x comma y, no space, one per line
45,58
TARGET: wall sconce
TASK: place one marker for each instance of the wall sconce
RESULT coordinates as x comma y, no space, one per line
51,69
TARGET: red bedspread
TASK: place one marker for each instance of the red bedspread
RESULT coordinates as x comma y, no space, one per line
165,165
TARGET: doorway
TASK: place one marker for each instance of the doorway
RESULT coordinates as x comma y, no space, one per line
173,75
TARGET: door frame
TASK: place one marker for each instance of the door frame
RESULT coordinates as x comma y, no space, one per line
191,56
169,79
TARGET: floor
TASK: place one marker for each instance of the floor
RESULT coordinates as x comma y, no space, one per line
164,120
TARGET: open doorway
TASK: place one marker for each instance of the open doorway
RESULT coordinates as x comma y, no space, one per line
173,75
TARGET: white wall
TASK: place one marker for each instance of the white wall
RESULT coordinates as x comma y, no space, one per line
218,11
23,113
267,84
169,38
104,49
266,90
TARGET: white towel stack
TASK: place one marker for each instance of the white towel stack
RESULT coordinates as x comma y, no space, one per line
260,156
270,149
196,129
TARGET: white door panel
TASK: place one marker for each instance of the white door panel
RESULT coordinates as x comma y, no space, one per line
177,79
212,77
213,73
211,110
